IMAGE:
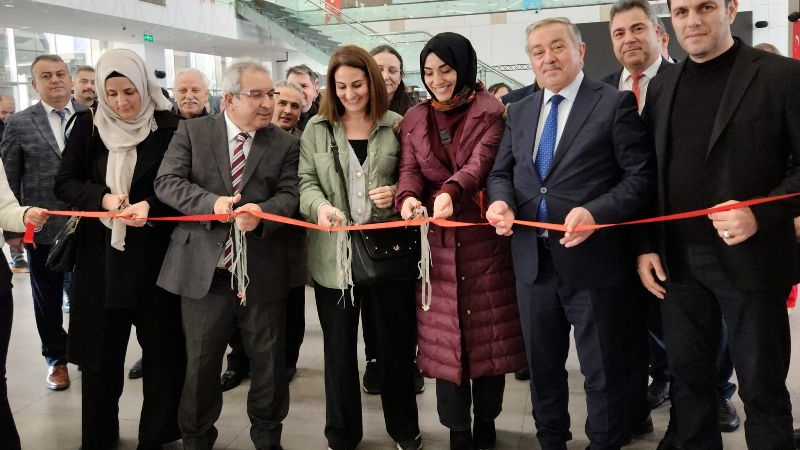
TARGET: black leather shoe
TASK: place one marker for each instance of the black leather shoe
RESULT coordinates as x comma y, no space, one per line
136,370
728,417
670,440
638,430
372,378
523,374
657,393
419,381
461,440
291,373
484,435
797,438
230,379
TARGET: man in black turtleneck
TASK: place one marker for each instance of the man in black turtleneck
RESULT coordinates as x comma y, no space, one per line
727,130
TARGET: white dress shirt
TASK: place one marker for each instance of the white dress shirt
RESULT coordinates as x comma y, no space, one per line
234,131
626,83
570,92
55,122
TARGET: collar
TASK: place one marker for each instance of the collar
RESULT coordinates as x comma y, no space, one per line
650,72
233,130
569,92
49,109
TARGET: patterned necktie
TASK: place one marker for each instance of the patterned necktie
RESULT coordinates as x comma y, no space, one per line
62,114
547,146
237,170
637,91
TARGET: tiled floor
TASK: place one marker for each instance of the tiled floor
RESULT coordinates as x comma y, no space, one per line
50,420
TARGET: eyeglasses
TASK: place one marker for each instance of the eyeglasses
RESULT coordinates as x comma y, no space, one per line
257,95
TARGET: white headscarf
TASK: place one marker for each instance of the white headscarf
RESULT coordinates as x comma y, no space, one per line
122,136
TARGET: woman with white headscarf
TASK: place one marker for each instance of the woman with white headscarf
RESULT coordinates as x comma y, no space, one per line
109,164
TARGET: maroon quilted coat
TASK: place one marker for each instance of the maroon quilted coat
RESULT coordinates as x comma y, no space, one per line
473,308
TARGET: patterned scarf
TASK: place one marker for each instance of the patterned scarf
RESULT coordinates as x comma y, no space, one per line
465,96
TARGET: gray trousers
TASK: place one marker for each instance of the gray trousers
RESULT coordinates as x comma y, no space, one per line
208,324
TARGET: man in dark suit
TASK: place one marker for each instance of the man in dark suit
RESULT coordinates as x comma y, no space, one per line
233,161
31,150
725,130
586,162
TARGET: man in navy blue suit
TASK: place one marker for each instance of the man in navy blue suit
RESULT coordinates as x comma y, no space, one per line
573,153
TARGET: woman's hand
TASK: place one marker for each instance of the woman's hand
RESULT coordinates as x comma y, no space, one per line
442,206
382,197
113,202
410,205
329,216
135,215
35,216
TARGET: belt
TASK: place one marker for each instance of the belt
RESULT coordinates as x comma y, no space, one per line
222,272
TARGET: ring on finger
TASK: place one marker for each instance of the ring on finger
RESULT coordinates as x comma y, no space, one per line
726,234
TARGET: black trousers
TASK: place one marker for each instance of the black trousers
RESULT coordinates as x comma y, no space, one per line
637,352
393,311
163,370
47,289
368,332
696,302
295,331
8,429
547,312
208,324
482,395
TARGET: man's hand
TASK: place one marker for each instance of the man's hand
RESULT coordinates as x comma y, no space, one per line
329,216
113,202
410,205
382,197
646,264
578,216
247,222
224,205
36,217
138,214
442,206
500,216
734,226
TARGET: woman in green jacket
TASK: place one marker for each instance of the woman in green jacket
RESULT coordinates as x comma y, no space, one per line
355,105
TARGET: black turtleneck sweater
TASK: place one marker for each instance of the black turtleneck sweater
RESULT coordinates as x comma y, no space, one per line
697,99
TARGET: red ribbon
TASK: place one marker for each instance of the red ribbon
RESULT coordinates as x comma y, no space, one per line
29,230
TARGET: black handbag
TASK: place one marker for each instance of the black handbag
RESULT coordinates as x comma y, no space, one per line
380,256
62,253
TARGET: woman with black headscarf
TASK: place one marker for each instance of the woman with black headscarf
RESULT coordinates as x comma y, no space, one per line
470,335
109,164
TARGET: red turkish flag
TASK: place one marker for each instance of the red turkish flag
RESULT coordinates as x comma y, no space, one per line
796,40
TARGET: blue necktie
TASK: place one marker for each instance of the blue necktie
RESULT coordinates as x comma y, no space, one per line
547,146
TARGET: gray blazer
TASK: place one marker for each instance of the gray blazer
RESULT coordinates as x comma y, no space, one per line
31,157
194,173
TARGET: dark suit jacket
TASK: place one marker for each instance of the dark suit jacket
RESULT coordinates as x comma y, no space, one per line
754,151
613,78
602,163
196,170
31,157
518,94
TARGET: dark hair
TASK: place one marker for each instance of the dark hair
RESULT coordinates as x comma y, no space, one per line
496,87
401,101
47,57
621,6
115,74
303,69
357,58
669,5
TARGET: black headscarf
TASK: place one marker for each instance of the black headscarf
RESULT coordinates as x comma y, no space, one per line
457,52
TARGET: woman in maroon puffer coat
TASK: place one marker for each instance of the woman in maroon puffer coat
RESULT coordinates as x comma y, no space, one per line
470,337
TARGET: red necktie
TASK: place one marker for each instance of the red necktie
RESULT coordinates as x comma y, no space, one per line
237,170
635,78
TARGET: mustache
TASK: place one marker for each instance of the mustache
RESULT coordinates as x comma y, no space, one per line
190,102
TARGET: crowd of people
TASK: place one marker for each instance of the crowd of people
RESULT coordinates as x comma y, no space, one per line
682,303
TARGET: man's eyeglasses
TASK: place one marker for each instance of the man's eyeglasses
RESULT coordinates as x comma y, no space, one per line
257,95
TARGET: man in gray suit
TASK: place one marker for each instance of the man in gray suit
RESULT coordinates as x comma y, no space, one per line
202,173
31,149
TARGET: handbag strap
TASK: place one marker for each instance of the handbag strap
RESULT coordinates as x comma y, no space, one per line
335,150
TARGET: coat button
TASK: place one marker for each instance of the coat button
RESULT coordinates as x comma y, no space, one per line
219,244
462,278
359,174
543,190
458,244
469,312
360,194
